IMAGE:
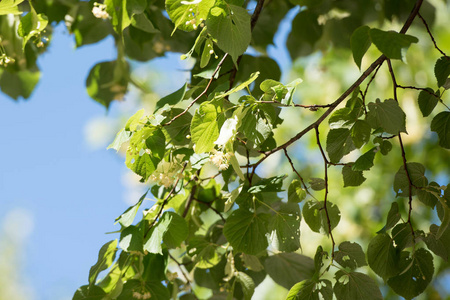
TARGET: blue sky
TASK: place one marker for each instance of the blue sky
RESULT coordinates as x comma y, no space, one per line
69,192
73,193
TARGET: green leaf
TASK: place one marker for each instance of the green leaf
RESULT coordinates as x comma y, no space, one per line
385,147
427,101
351,177
387,115
10,7
134,121
173,98
360,43
339,143
360,133
393,216
241,86
255,128
316,218
391,43
317,184
248,286
31,25
230,26
284,228
428,197
87,292
146,150
151,290
106,257
127,218
86,28
272,184
439,246
177,131
205,127
186,14
341,118
296,193
158,264
142,22
356,286
417,272
107,81
305,33
382,256
402,236
442,70
205,253
309,290
416,174
304,286
252,262
132,239
350,255
120,17
177,231
365,161
246,232
287,269
157,233
121,137
19,84
273,90
441,125
206,53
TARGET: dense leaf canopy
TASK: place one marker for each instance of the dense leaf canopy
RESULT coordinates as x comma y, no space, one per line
254,177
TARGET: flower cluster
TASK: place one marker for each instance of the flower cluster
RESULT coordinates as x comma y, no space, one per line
166,175
220,159
99,11
192,20
146,295
5,60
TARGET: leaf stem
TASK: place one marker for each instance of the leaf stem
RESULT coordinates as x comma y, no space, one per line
202,93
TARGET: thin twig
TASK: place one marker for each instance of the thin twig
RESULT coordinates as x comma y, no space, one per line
180,266
191,197
298,174
165,201
209,204
368,85
201,94
313,107
325,160
431,36
425,90
405,165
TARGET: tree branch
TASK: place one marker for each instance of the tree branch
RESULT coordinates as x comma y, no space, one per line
339,100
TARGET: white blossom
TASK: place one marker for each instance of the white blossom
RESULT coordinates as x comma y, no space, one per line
99,11
220,159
